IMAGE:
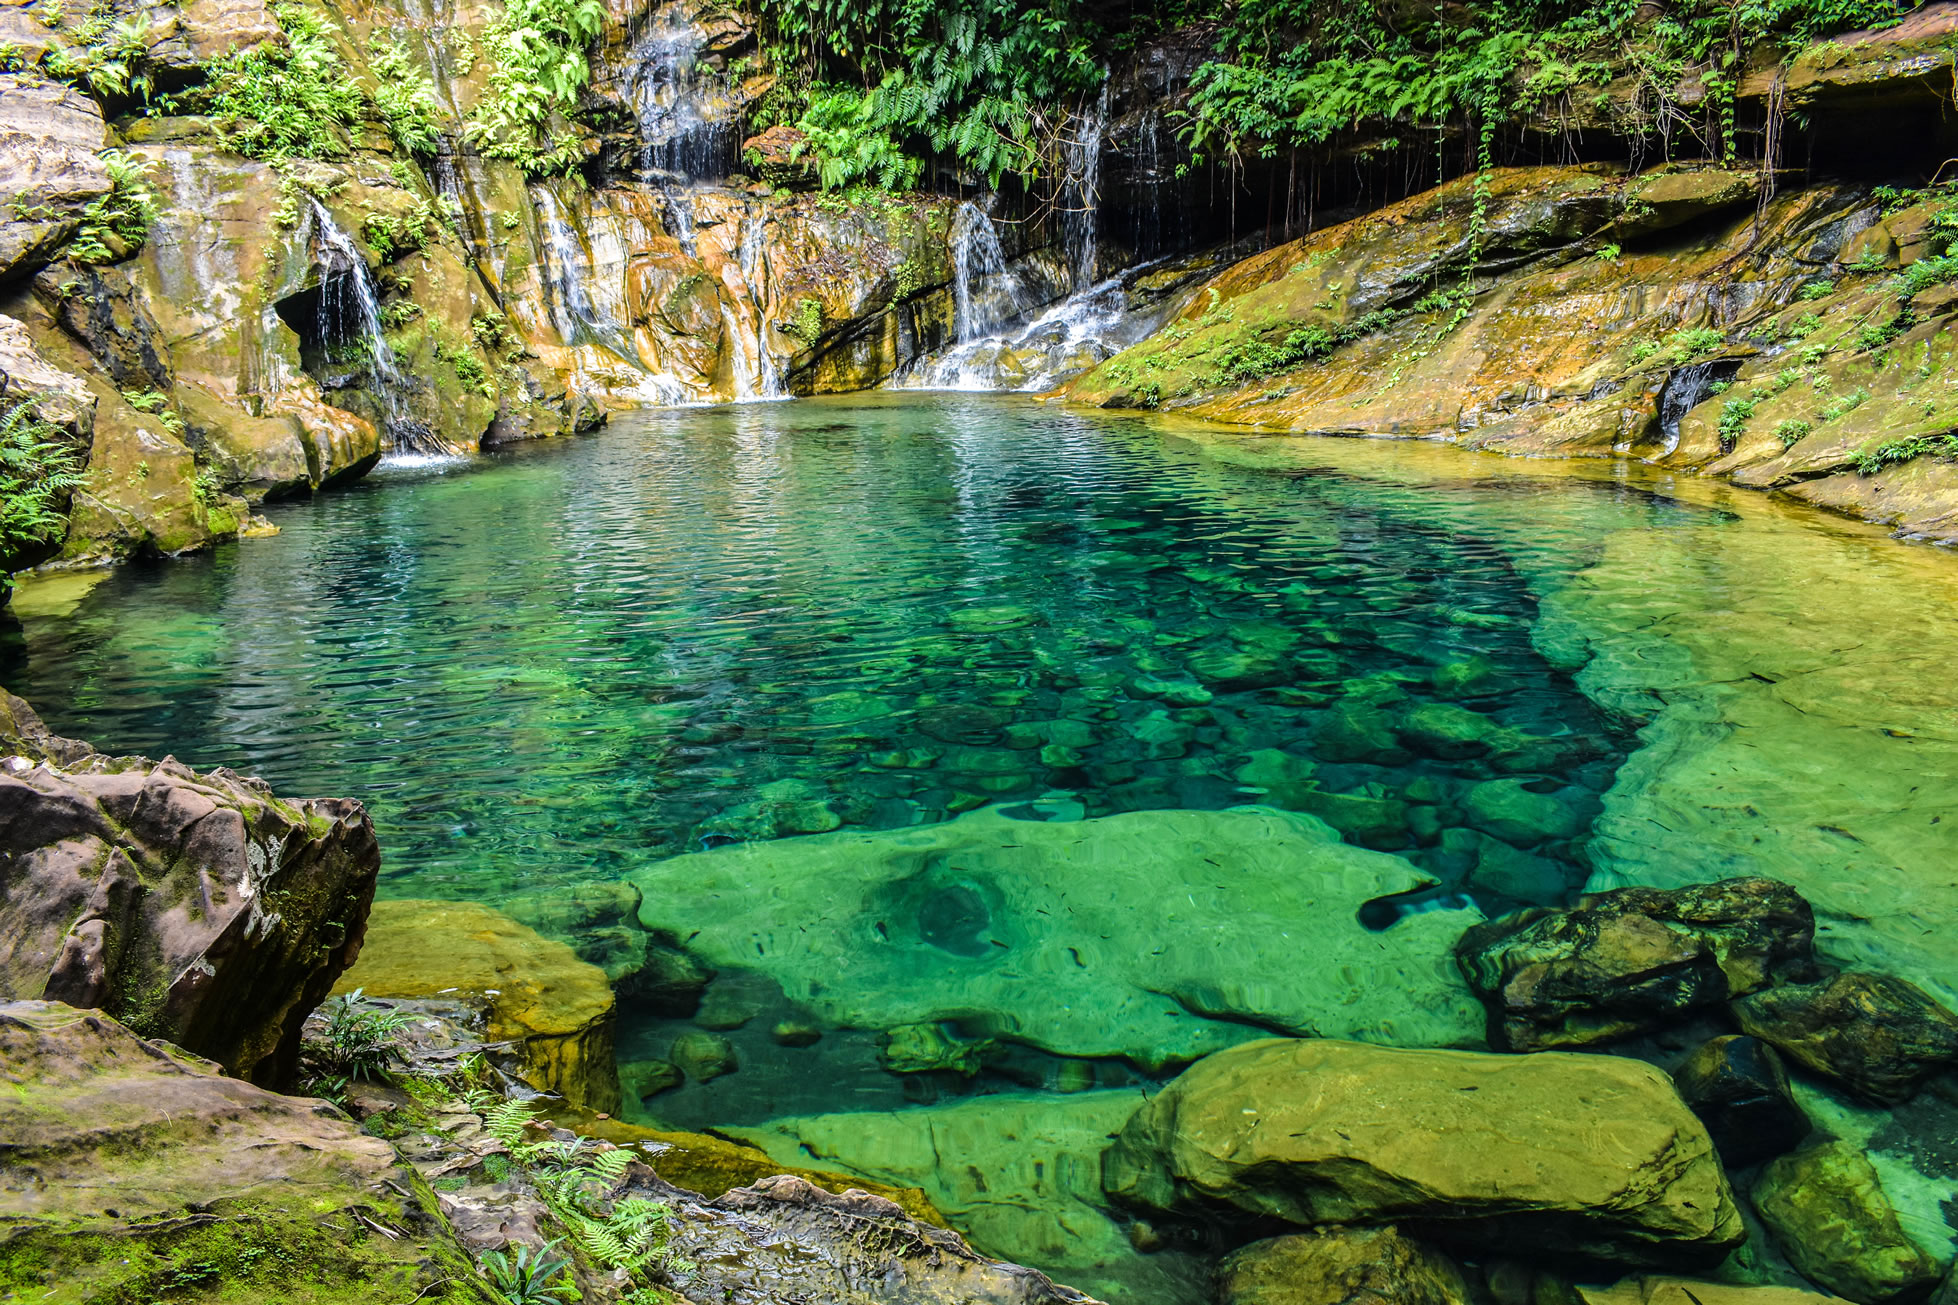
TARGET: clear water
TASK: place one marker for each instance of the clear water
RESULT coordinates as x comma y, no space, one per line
713,625
551,668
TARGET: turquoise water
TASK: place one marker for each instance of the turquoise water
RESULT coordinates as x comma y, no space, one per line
715,625
551,670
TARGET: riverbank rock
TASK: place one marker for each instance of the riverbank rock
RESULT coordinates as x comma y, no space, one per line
1626,962
131,1171
554,1008
1031,926
1348,1266
1691,1291
191,906
1567,1154
1879,1036
1738,1088
1827,1210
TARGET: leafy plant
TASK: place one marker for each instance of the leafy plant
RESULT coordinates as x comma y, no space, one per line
537,66
404,95
1734,416
38,471
116,225
1892,452
533,1276
1816,290
361,1040
291,100
1792,432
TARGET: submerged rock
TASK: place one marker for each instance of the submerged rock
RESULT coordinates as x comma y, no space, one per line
1827,1210
1737,1087
1034,925
704,1056
556,1010
131,1171
1565,1154
194,907
1636,959
1879,1036
1690,1291
1348,1266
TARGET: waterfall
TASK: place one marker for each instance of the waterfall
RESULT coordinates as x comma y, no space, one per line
754,273
985,291
586,309
1684,391
1081,193
349,321
688,128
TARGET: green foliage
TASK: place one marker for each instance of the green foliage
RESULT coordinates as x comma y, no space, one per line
1609,253
1892,452
108,58
533,1276
882,83
807,324
1734,416
404,95
538,66
1792,432
1927,272
38,471
285,101
1844,404
116,225
1817,290
157,404
360,1041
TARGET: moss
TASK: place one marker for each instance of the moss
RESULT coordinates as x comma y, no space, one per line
240,1252
807,324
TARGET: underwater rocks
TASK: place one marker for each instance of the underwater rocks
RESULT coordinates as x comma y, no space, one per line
1632,960
1565,1154
554,1009
1877,1035
1827,1210
1738,1088
1015,1172
194,907
1029,930
1346,1265
130,1170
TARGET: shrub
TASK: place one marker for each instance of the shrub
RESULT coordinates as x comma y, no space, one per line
38,471
293,100
1792,432
116,225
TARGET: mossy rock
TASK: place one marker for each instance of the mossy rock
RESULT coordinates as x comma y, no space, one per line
557,1009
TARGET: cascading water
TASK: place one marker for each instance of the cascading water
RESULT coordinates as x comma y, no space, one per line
348,326
1685,390
1081,193
576,310
687,127
986,293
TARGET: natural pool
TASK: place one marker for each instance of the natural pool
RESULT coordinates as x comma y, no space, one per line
987,622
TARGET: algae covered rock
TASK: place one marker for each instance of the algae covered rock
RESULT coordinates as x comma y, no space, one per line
130,1171
1559,1153
1016,1172
194,907
556,1009
1663,1290
1636,959
1879,1036
1031,929
1356,1265
1827,1210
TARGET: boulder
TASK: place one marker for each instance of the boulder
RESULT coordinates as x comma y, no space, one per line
556,1010
780,155
1827,1210
1879,1036
130,1170
1515,814
1030,926
1632,960
1564,1154
1737,1087
704,1056
191,906
1345,1266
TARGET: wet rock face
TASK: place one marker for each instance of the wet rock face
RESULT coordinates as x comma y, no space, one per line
194,907
1633,960
1358,1266
1827,1210
1879,1036
1561,1154
1738,1088
555,1010
122,1160
49,172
